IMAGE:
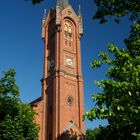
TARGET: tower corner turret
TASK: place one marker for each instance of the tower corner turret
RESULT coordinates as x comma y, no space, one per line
43,24
58,12
80,22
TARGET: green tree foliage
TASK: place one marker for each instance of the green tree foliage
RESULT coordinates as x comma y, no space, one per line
35,1
117,9
96,133
16,118
119,101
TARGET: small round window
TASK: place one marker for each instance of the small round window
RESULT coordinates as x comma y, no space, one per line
70,100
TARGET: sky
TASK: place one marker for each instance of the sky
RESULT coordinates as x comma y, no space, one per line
21,46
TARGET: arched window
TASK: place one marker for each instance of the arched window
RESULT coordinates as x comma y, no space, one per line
69,33
68,30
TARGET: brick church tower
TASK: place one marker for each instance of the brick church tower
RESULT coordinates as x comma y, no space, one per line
61,106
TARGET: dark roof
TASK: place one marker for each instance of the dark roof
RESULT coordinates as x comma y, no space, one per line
35,101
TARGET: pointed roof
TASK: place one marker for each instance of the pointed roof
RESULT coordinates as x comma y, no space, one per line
62,3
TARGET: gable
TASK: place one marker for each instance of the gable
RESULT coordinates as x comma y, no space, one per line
73,128
69,12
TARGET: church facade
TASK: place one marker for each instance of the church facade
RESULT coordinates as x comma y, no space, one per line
61,105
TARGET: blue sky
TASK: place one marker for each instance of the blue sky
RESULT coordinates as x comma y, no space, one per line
21,46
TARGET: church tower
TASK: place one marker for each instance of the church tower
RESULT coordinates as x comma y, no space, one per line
61,106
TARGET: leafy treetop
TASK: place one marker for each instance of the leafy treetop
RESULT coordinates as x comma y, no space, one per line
117,9
17,119
119,101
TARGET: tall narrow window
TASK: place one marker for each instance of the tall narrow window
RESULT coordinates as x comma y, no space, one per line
68,33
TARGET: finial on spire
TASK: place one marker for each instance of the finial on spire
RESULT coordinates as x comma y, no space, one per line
45,14
79,11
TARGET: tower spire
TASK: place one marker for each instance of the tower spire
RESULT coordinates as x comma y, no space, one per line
65,3
58,3
62,3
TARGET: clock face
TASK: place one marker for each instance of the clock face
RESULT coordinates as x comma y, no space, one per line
69,61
